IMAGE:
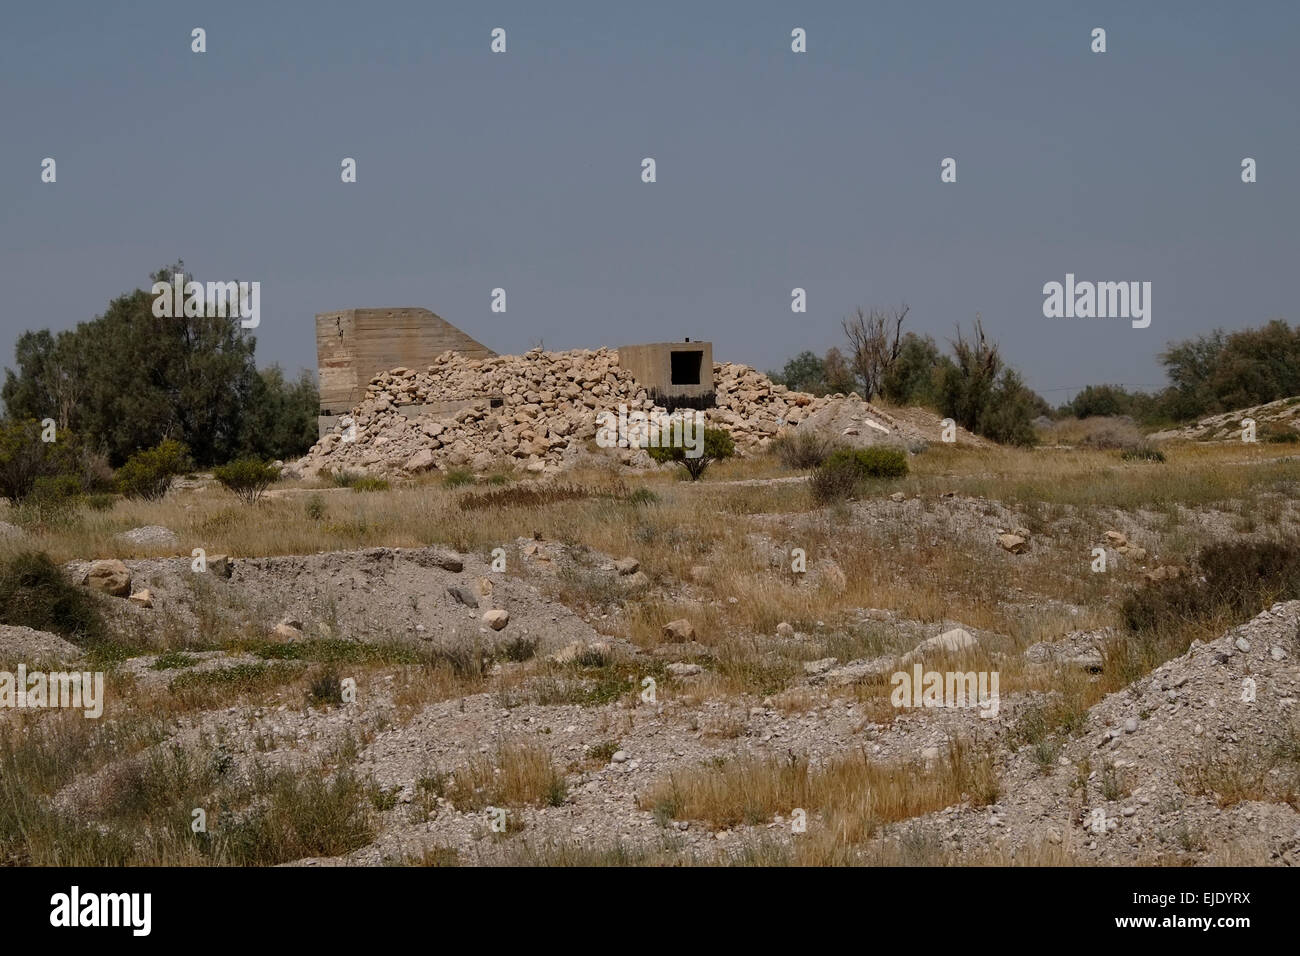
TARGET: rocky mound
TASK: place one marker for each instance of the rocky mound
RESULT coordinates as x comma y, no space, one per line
534,411
1280,416
1194,762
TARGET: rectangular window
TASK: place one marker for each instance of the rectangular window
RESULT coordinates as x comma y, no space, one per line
686,367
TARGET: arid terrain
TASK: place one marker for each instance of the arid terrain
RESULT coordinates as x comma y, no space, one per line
684,672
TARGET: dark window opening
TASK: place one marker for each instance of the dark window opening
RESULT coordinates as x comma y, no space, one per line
686,367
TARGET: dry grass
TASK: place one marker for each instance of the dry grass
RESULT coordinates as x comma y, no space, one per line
854,795
515,775
927,567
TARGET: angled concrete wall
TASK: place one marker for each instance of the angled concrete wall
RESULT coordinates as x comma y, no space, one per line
354,345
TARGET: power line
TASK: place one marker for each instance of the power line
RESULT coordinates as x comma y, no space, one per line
1066,388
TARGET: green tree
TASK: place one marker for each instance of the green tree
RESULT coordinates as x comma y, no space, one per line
911,378
279,420
131,379
804,373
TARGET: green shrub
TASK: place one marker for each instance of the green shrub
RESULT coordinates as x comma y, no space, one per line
846,471
803,448
326,688
1143,451
457,477
370,484
101,501
247,478
717,445
315,507
148,474
26,460
642,496
52,501
342,478
35,593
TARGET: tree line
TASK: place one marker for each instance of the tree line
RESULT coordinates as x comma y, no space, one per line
971,384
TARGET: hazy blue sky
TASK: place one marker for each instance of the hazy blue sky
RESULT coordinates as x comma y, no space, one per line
775,169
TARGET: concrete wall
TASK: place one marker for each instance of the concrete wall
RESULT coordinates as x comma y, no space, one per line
354,345
653,365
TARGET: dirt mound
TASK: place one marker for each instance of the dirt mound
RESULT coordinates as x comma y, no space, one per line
422,595
852,421
1280,417
1195,762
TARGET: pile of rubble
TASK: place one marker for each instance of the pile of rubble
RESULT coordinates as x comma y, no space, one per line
535,411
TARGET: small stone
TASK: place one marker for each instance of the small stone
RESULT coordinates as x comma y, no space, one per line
496,619
109,577
679,630
1131,725
1013,543
898,496
1241,644
464,596
819,666
785,629
683,669
1277,653
220,565
422,460
625,566
142,598
620,756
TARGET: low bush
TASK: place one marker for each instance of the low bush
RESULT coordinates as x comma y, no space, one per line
1276,433
35,593
148,474
803,448
1143,451
717,445
248,478
1107,434
27,460
845,472
1238,579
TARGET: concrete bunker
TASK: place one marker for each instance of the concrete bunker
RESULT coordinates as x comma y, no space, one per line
674,374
